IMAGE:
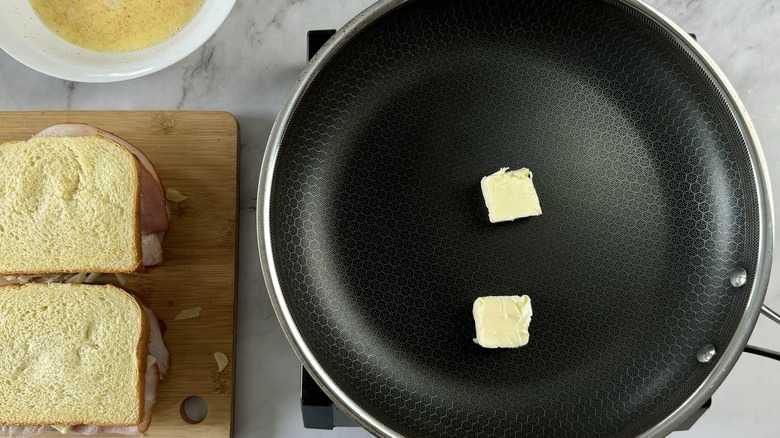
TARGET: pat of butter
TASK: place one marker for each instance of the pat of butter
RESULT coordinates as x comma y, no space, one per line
502,322
510,195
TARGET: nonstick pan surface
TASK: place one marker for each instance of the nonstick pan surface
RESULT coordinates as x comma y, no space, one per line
375,238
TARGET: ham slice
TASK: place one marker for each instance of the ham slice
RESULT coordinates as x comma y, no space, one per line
23,430
151,247
156,345
154,217
22,279
154,374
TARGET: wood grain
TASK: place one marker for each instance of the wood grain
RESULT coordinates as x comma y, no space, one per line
195,153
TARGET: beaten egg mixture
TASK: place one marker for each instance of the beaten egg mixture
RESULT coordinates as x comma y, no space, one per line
116,25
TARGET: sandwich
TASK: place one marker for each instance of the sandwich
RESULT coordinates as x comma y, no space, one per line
79,358
75,200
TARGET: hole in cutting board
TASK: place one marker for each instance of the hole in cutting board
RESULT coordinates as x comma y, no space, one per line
194,409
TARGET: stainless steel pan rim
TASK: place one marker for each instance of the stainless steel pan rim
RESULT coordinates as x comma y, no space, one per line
766,213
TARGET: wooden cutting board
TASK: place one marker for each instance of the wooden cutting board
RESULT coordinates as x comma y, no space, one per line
196,154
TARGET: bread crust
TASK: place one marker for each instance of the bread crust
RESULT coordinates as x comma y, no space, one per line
139,267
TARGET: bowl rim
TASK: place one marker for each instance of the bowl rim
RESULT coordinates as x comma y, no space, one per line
78,64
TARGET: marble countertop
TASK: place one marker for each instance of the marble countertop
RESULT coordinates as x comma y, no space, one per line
247,69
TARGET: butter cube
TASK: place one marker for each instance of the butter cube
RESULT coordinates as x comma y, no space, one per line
502,322
510,195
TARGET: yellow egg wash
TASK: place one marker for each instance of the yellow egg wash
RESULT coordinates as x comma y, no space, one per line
116,25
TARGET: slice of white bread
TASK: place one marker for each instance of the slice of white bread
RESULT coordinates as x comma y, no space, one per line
69,204
72,354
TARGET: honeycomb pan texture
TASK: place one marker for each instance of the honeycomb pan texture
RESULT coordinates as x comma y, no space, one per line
381,239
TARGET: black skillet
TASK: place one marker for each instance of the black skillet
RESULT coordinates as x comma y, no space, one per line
646,271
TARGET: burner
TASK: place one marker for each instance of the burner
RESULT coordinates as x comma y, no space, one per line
319,412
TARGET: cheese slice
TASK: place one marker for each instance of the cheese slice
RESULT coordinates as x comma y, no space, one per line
62,428
502,322
510,195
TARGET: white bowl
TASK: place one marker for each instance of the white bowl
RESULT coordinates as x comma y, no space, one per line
29,41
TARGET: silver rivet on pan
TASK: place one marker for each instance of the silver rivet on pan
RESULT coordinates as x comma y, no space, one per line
738,277
706,353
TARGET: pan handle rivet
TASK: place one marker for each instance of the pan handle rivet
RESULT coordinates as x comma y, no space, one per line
706,353
738,277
